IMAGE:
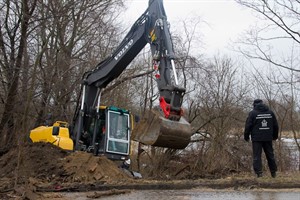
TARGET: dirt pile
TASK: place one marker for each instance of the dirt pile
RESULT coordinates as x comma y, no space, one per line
85,167
46,163
39,160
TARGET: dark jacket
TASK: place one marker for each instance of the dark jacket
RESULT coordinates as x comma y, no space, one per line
261,124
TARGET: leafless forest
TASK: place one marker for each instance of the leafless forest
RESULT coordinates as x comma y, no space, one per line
46,46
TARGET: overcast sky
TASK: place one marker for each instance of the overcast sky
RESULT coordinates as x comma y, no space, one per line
224,20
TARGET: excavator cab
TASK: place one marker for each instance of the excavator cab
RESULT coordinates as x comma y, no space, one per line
108,133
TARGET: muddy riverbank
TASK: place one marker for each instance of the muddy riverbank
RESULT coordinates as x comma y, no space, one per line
43,171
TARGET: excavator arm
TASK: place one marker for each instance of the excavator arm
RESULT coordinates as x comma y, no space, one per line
151,28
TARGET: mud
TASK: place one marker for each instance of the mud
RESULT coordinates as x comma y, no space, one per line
34,171
24,170
203,194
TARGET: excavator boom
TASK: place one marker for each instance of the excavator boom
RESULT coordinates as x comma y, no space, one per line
167,128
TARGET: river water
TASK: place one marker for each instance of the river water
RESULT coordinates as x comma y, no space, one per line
194,194
294,153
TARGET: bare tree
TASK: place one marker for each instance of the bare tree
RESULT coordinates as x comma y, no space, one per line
45,47
220,103
14,29
268,43
74,37
276,42
287,110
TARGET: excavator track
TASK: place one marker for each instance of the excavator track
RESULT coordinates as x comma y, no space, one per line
155,130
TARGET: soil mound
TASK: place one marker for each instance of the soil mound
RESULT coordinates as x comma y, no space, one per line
38,160
46,163
85,167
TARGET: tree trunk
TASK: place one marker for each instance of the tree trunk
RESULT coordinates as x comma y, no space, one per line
7,130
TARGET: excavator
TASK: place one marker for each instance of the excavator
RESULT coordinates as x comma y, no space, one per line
107,130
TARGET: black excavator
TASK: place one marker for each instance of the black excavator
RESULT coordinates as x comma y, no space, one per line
108,130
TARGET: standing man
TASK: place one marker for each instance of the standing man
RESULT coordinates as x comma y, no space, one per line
262,125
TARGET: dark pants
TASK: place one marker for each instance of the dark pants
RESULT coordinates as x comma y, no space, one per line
257,150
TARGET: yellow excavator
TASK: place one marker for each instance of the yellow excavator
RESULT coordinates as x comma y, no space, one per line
108,130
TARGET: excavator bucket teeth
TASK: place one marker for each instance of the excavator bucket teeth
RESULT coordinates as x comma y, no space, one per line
156,130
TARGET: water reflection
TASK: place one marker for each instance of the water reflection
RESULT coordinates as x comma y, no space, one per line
199,194
292,147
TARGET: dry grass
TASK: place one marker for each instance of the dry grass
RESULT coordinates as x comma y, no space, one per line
290,134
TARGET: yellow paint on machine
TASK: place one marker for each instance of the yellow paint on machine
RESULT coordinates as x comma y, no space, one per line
152,36
58,135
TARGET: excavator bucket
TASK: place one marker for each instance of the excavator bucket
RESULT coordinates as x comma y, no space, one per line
155,130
